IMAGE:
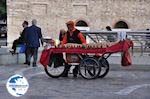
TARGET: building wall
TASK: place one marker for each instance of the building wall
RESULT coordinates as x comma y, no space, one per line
53,14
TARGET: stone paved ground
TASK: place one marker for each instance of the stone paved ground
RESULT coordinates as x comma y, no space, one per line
120,83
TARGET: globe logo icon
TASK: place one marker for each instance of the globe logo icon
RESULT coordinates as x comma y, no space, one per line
17,85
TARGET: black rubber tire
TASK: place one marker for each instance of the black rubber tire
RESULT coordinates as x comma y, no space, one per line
48,69
89,68
104,64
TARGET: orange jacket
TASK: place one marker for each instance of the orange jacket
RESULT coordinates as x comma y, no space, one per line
80,36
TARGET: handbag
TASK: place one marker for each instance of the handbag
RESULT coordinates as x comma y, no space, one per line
21,48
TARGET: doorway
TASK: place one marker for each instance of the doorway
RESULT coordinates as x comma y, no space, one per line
3,23
121,24
82,25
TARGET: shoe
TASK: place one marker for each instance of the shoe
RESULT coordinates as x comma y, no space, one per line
12,52
34,65
75,75
65,75
67,68
75,72
28,63
25,63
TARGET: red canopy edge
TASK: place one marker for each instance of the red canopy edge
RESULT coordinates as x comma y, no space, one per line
121,46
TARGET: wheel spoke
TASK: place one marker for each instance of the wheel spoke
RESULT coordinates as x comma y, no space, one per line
89,68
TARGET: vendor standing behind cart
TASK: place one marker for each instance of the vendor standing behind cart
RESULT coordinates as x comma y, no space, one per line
73,36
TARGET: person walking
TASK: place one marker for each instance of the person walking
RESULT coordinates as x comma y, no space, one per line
33,36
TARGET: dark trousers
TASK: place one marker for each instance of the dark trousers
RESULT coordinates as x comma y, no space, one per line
26,58
15,43
75,70
32,52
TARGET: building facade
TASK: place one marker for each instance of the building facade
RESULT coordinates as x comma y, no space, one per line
97,14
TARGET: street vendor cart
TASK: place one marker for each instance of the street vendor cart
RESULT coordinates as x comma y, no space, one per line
92,61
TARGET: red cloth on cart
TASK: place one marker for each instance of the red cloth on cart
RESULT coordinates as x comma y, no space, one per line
126,59
44,59
121,46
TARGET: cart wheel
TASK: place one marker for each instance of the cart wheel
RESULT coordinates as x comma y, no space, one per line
89,68
104,64
56,67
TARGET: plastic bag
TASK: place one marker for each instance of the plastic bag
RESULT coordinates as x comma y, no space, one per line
21,48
